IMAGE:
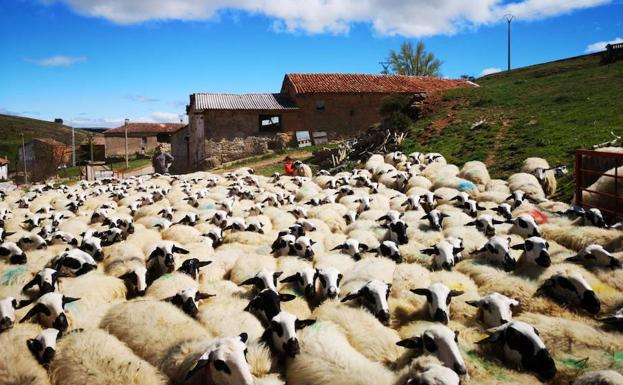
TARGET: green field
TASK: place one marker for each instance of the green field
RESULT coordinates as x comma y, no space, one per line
11,128
548,110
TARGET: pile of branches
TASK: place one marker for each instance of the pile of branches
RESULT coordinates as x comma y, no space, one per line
376,139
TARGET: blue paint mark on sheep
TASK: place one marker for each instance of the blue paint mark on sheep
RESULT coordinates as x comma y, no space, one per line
466,186
10,276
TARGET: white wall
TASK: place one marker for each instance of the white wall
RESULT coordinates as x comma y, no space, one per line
4,172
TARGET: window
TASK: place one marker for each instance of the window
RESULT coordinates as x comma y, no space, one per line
270,123
320,105
144,140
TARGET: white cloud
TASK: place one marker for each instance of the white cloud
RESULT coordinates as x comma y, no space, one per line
58,61
489,71
166,117
601,45
142,98
387,17
155,117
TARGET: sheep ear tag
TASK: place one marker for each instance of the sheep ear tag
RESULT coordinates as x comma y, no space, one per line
203,362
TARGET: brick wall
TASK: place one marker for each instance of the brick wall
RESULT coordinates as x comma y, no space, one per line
115,145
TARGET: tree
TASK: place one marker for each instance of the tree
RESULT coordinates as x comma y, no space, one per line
414,61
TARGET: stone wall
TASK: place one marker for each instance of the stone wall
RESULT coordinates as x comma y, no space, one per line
229,124
224,150
115,145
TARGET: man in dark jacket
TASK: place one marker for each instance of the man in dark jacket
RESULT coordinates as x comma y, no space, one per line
161,161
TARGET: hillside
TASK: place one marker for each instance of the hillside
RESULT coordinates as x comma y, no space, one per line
11,128
546,110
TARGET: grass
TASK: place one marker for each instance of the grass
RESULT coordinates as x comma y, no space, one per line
11,128
277,155
549,111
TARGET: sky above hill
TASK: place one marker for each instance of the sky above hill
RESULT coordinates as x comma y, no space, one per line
95,62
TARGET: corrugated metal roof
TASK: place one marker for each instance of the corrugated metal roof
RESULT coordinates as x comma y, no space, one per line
210,101
367,83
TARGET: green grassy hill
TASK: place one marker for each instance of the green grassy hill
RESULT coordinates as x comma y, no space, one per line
11,128
547,110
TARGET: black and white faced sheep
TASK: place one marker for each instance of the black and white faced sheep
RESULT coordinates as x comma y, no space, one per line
46,280
497,251
225,362
523,348
330,279
268,302
445,254
595,256
518,197
397,231
216,235
373,295
284,244
191,267
535,251
303,246
31,241
435,219
471,208
161,260
136,281
504,210
280,335
43,346
62,237
352,247
390,250
12,253
485,224
496,309
264,279
441,342
50,308
92,245
614,320
438,298
187,299
73,262
8,305
305,279
571,289
525,226
595,218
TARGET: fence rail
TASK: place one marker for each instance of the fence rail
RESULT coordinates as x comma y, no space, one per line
591,166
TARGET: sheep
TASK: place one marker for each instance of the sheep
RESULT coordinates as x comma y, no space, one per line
83,353
8,305
577,238
438,297
18,365
50,308
475,172
527,183
525,226
281,334
73,262
523,348
428,370
13,253
496,308
43,346
605,185
442,342
572,289
326,356
599,377
46,280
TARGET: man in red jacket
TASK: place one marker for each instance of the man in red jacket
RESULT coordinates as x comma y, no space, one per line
288,166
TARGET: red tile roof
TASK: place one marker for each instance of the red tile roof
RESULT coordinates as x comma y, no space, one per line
145,128
50,141
365,83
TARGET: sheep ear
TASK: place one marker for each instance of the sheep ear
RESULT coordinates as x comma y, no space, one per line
496,222
350,296
574,259
23,303
518,247
200,296
250,281
127,276
411,343
199,365
421,291
34,346
494,337
364,247
474,303
455,293
286,297
299,324
179,250
38,308
472,223
429,251
204,263
291,279
67,300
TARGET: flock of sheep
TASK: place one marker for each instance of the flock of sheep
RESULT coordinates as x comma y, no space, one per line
408,270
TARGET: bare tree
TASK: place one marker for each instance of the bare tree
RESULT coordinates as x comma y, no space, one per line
416,61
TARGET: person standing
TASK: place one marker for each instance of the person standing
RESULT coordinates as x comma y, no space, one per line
161,161
288,167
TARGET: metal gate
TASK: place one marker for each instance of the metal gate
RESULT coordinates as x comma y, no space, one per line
592,166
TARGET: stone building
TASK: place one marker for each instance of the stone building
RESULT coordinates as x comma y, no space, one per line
142,138
43,157
238,125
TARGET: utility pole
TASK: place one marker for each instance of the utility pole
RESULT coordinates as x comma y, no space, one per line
73,147
509,18
127,162
24,160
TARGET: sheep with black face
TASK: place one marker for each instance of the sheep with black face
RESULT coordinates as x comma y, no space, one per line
485,224
43,346
496,309
187,300
571,289
8,305
46,280
161,260
535,251
497,251
438,297
50,308
373,295
595,256
305,279
523,348
281,333
13,253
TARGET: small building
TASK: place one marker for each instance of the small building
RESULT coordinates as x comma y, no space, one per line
44,157
142,138
93,148
4,169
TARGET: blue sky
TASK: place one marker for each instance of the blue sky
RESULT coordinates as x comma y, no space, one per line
96,62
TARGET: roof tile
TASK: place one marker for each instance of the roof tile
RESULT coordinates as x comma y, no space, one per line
213,101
